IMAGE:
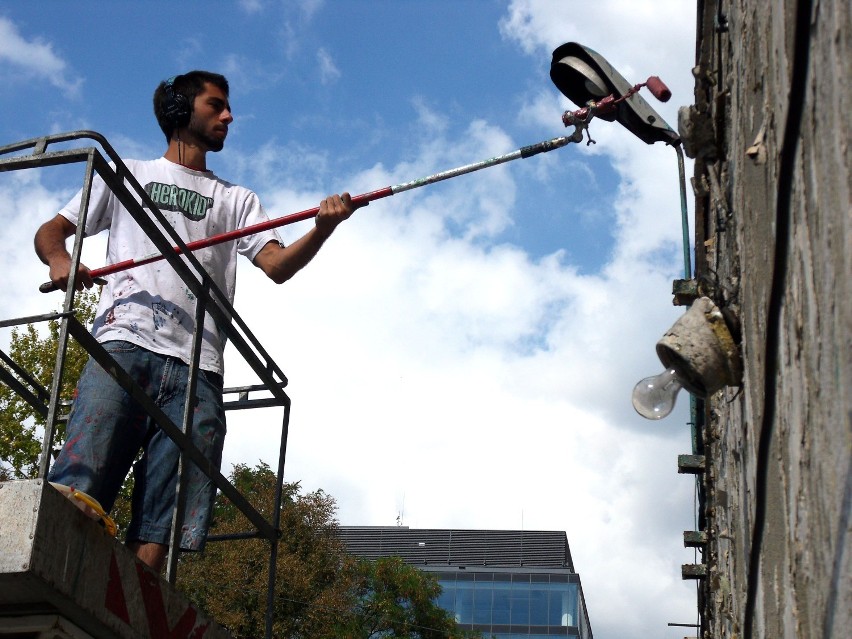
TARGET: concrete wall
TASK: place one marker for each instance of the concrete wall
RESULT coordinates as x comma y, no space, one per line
63,576
795,405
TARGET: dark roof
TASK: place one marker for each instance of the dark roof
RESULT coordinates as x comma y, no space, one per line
452,547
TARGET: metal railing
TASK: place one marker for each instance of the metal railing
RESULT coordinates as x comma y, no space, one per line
37,152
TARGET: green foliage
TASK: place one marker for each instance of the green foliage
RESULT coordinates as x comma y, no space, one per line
321,591
395,599
229,579
21,426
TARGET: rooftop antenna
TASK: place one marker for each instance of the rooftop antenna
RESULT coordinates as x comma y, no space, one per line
400,516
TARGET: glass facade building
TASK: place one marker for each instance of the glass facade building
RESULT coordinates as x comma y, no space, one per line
510,605
505,584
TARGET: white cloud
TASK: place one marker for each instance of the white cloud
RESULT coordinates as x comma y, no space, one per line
34,58
296,17
190,48
308,8
473,386
251,6
482,388
25,203
639,39
329,73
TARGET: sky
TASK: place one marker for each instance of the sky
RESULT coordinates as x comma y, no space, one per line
460,355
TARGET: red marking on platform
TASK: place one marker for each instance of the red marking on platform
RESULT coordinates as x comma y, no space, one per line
158,625
115,600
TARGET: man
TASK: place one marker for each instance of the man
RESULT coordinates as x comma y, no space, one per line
145,316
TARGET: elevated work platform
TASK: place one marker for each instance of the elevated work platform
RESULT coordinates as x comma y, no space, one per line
55,565
62,576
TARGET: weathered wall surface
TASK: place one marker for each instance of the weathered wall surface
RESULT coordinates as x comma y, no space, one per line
745,65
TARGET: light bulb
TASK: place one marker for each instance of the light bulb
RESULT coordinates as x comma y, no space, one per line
654,397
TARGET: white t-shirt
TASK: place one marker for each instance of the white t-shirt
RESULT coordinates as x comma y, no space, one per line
150,305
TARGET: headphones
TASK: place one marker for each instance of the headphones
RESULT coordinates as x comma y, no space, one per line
176,108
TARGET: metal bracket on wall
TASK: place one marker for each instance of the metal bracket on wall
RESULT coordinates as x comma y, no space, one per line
690,464
694,538
685,292
693,571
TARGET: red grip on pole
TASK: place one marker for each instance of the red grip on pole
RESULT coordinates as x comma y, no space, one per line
658,88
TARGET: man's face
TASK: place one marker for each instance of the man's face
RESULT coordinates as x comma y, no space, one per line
211,115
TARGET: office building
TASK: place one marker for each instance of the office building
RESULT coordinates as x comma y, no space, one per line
509,584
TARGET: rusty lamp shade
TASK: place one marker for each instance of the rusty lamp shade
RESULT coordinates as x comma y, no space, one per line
583,75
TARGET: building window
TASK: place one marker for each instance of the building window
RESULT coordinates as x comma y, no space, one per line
501,603
511,605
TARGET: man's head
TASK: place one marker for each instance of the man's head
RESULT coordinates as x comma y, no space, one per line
174,99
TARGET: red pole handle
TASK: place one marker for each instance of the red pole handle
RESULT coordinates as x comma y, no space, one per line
98,273
360,200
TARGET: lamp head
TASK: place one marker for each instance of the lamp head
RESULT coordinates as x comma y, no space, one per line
583,75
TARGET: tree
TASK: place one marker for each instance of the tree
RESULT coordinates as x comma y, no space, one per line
20,425
229,579
395,599
321,591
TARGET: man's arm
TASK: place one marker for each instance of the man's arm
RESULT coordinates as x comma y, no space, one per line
281,263
50,247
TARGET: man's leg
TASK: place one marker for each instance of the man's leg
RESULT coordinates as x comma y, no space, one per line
103,434
156,473
151,554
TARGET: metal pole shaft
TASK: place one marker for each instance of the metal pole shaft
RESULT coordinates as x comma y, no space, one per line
364,198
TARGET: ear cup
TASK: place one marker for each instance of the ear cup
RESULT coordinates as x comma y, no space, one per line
176,107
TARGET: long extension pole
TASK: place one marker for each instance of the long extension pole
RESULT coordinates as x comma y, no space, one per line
364,198
579,119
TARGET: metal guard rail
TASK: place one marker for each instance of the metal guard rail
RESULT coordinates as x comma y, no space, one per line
209,299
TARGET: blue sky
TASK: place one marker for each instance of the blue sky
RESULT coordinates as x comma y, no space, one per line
460,355
345,78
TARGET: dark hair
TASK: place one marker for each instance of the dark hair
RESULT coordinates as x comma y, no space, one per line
188,85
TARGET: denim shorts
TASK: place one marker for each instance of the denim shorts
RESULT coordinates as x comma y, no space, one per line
107,428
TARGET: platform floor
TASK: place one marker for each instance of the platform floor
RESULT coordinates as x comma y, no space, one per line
63,577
